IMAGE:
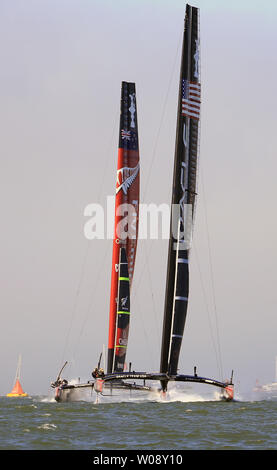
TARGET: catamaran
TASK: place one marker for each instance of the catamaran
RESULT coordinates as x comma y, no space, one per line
182,217
124,254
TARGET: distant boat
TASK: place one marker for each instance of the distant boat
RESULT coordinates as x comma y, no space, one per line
267,390
17,390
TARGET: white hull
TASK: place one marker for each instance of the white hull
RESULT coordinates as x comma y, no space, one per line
108,393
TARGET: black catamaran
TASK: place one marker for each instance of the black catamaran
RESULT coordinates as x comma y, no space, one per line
183,211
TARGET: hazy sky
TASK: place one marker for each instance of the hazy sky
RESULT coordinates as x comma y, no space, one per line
62,63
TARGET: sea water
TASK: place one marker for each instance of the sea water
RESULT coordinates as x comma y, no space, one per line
182,422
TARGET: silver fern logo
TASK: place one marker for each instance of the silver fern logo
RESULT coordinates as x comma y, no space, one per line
125,178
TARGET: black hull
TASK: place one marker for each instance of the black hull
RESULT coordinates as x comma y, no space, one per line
226,387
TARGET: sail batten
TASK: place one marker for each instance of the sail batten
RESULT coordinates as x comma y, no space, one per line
126,204
183,195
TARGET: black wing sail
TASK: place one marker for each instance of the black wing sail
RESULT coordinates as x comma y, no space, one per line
123,313
183,196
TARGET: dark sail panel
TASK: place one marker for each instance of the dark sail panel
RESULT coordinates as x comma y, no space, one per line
183,196
123,313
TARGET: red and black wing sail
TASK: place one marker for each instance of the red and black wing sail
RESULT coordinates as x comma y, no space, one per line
126,205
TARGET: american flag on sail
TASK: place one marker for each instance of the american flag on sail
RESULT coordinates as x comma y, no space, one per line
191,99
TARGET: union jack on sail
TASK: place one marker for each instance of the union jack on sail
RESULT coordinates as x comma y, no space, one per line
125,134
191,99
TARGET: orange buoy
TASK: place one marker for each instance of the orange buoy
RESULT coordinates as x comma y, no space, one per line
17,390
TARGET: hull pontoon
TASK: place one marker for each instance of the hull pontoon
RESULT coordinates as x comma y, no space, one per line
110,383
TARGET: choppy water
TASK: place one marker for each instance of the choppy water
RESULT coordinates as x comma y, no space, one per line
39,423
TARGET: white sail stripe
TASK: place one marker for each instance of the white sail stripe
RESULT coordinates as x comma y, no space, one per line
190,114
190,103
177,336
196,86
178,297
192,96
183,260
190,109
175,287
195,92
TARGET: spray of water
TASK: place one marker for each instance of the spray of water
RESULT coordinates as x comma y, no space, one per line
174,394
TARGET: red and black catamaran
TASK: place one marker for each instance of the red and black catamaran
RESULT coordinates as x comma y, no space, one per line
183,204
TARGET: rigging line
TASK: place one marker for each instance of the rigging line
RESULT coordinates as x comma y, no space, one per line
145,331
156,141
76,297
155,146
134,296
84,262
92,298
153,302
162,117
152,296
208,310
106,160
136,286
142,271
211,270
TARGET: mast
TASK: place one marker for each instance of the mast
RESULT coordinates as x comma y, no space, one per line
183,196
126,203
18,369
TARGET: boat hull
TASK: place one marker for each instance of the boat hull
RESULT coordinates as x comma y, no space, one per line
73,394
83,392
227,393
